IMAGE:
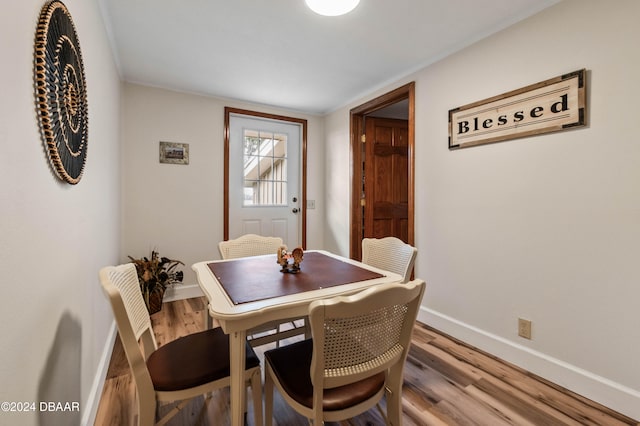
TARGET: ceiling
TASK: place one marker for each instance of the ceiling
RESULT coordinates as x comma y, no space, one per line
279,53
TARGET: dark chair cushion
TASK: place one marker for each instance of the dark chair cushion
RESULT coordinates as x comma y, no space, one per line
291,365
193,360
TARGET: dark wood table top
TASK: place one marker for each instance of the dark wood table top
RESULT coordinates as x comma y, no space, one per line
256,278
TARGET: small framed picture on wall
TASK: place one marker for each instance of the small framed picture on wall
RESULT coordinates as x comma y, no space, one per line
174,153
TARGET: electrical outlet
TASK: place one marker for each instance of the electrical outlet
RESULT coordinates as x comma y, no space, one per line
524,328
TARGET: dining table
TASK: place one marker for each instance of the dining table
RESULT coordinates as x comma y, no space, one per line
247,292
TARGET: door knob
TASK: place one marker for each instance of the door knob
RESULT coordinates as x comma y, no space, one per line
295,210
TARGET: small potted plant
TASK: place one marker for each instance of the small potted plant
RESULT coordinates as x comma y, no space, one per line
154,275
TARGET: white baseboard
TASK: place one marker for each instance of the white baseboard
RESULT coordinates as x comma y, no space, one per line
93,401
600,389
182,291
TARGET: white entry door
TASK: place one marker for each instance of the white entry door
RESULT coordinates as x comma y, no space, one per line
264,178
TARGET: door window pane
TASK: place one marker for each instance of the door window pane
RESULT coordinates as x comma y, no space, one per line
265,168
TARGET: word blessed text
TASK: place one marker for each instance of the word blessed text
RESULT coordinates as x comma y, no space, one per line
548,106
535,113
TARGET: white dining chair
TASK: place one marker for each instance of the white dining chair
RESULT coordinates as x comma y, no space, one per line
249,245
179,370
390,254
355,357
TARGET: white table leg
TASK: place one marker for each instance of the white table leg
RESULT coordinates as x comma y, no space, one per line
237,341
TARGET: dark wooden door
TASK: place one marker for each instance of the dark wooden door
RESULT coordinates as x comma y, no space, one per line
386,189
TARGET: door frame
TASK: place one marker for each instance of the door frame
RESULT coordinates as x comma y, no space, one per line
303,169
356,116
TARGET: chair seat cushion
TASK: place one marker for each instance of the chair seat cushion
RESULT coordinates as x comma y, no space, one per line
291,364
194,360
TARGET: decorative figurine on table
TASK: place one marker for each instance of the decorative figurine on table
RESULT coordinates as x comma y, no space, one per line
290,262
283,258
297,254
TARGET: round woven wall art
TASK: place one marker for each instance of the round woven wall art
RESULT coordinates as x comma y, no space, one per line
61,94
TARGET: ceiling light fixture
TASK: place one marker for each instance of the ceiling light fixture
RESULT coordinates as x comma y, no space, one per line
332,7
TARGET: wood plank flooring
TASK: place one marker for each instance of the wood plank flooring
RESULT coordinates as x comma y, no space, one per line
446,383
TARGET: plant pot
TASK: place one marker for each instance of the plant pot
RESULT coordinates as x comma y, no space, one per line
154,303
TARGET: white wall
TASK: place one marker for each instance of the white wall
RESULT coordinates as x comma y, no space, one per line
53,236
545,228
178,209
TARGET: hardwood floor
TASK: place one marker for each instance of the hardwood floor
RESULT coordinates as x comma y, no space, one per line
446,383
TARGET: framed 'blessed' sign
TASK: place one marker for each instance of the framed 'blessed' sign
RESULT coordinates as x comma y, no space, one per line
549,106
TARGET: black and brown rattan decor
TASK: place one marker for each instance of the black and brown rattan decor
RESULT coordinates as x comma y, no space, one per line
61,94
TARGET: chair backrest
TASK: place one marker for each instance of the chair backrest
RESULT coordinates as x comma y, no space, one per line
390,254
120,284
249,245
358,336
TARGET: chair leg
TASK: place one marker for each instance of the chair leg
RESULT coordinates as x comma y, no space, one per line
381,412
244,407
394,406
268,397
256,396
307,328
146,410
